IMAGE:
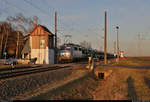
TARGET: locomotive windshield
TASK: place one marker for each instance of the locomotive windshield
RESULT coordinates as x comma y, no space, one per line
65,48
64,53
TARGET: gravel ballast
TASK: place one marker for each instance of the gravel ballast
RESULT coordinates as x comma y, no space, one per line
79,89
13,87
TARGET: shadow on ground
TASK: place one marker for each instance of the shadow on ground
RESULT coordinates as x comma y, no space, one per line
78,89
131,90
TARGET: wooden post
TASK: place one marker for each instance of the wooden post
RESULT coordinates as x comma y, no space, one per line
55,29
55,38
17,44
139,45
105,40
1,45
6,30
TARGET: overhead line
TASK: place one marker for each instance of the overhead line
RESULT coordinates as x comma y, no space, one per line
36,7
48,6
14,6
6,12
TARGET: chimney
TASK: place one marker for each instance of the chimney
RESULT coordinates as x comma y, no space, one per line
34,25
34,22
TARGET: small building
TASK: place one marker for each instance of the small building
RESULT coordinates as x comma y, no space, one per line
40,45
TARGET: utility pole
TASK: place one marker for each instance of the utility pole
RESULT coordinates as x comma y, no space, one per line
100,48
55,37
55,29
67,39
105,40
1,45
117,27
17,50
6,30
139,44
114,48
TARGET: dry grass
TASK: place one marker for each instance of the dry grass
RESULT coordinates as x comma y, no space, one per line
134,61
122,84
126,83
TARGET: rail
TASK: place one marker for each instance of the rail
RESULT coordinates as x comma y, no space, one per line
14,73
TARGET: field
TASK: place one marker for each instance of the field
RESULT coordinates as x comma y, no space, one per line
130,80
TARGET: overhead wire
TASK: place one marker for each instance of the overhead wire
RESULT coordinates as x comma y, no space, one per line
33,5
36,7
3,10
14,6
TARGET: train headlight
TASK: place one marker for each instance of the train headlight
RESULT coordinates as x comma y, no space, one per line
67,54
62,54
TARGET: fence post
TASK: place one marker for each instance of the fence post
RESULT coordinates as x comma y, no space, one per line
93,65
90,60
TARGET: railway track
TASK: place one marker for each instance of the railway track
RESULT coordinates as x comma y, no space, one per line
9,73
18,68
24,70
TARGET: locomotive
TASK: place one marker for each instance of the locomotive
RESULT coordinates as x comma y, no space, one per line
70,52
73,52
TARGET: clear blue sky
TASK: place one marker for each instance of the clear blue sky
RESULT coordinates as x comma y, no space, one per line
84,20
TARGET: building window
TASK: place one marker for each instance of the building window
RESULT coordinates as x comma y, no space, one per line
51,43
42,43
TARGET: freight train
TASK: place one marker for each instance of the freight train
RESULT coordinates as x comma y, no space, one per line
73,52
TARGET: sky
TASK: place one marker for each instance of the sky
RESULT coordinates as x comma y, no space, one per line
84,21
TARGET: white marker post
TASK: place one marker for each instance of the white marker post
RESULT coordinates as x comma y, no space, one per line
90,62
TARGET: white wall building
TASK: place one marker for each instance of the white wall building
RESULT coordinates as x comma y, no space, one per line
40,45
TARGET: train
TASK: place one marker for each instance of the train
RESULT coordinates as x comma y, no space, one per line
73,52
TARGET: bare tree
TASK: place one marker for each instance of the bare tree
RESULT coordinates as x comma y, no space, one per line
8,40
8,32
25,23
